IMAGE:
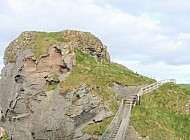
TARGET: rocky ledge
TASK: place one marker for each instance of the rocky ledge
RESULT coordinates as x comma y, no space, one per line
32,107
61,86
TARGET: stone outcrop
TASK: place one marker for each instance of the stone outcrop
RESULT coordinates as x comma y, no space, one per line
30,109
66,41
87,43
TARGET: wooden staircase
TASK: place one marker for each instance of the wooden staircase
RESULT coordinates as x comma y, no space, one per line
116,130
124,112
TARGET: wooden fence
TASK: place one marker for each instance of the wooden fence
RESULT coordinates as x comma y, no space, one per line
124,112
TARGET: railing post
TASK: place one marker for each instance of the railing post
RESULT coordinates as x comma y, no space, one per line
110,129
112,126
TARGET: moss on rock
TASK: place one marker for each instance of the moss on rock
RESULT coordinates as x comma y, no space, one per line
39,42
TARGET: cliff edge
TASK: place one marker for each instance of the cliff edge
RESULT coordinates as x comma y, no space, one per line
35,63
56,86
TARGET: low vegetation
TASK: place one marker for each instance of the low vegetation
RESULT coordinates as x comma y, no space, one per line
5,136
38,42
99,76
98,128
162,114
51,87
102,74
55,76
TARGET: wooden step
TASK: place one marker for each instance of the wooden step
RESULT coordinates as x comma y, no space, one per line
116,130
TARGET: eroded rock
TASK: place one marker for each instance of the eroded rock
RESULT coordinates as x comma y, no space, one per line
28,109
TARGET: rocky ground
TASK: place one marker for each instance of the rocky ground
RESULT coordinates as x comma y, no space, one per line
32,104
31,107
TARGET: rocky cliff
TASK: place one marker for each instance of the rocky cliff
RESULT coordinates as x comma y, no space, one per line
55,86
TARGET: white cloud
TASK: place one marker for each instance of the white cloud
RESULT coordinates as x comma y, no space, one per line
17,5
160,70
154,35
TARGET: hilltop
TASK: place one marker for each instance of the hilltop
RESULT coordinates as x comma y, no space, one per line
60,86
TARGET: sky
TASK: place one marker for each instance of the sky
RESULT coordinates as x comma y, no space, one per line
151,38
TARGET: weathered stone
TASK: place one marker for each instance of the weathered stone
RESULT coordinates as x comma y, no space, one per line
20,107
28,110
104,113
74,111
85,117
20,131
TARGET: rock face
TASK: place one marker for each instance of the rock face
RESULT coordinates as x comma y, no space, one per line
66,41
31,105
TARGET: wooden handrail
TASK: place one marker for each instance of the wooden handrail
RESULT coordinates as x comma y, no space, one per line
121,134
154,86
111,128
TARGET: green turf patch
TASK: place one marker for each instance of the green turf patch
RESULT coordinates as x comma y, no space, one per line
100,74
98,128
162,114
38,42
96,72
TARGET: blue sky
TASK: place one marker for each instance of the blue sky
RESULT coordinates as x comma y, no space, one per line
149,37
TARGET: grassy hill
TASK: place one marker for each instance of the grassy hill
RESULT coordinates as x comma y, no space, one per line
162,114
102,74
38,42
96,72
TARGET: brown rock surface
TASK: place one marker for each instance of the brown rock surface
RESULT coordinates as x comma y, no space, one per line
29,110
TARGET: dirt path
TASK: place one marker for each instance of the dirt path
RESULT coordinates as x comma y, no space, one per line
132,134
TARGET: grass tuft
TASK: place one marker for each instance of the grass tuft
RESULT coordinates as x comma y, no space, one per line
51,87
38,42
98,128
99,75
5,136
162,113
95,72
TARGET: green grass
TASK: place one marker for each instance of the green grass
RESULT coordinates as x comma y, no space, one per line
98,128
39,42
5,136
162,114
114,106
99,76
51,87
94,72
55,76
39,45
